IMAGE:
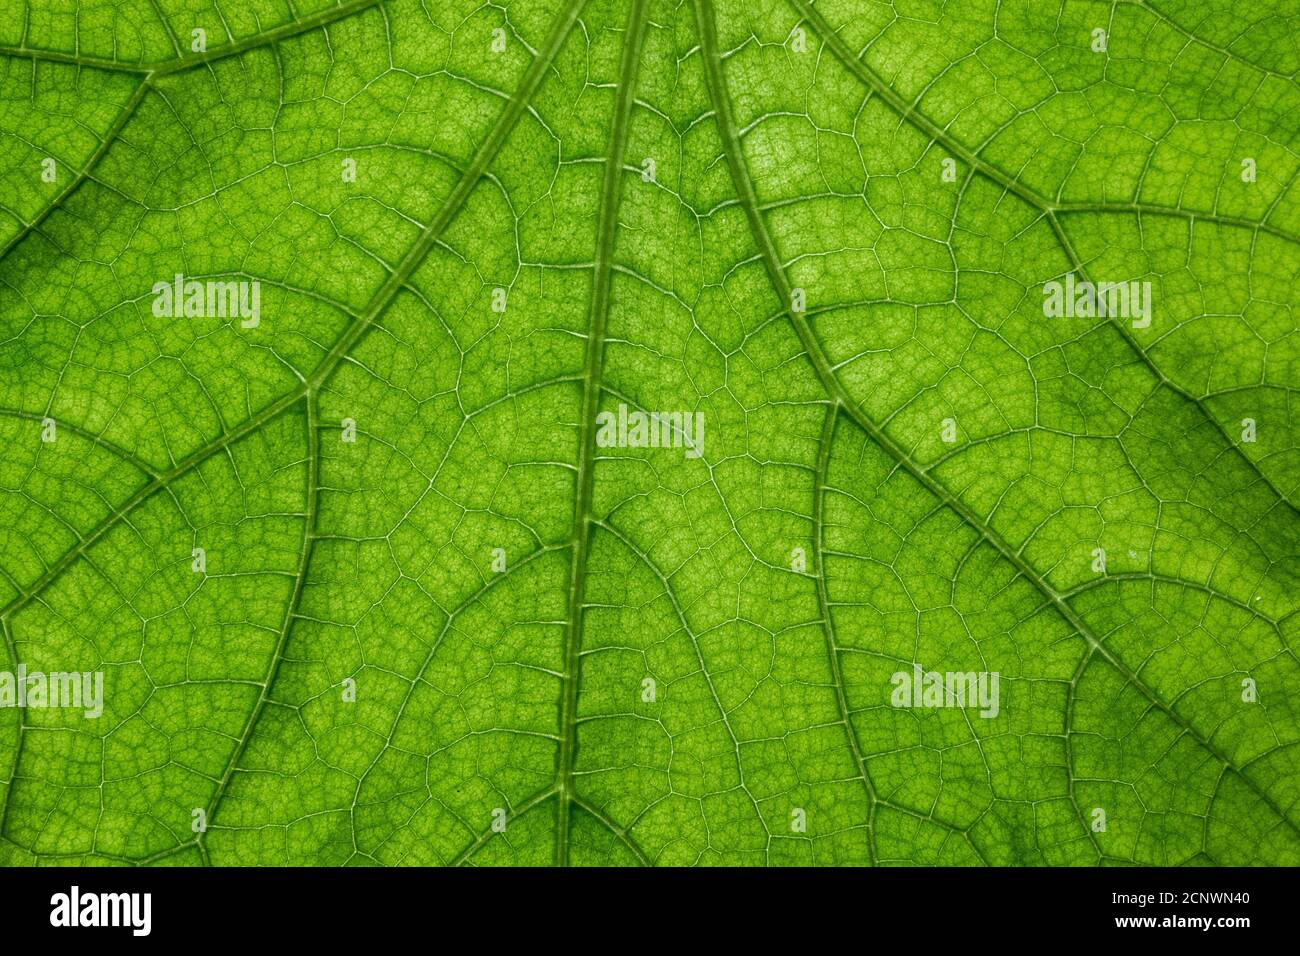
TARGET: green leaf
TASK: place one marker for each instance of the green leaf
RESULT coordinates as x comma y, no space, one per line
376,576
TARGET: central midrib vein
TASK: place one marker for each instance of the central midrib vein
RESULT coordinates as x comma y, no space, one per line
611,192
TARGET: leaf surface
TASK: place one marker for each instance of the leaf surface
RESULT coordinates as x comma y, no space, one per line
565,652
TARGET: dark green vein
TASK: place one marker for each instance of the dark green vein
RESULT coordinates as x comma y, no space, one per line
75,59
539,797
320,375
487,587
166,25
56,569
623,836
151,73
828,625
1193,216
11,650
117,451
282,641
110,137
270,37
185,62
767,251
910,113
1071,698
110,521
356,330
1127,334
611,192
680,612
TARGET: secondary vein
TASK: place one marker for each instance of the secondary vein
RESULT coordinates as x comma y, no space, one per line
611,191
